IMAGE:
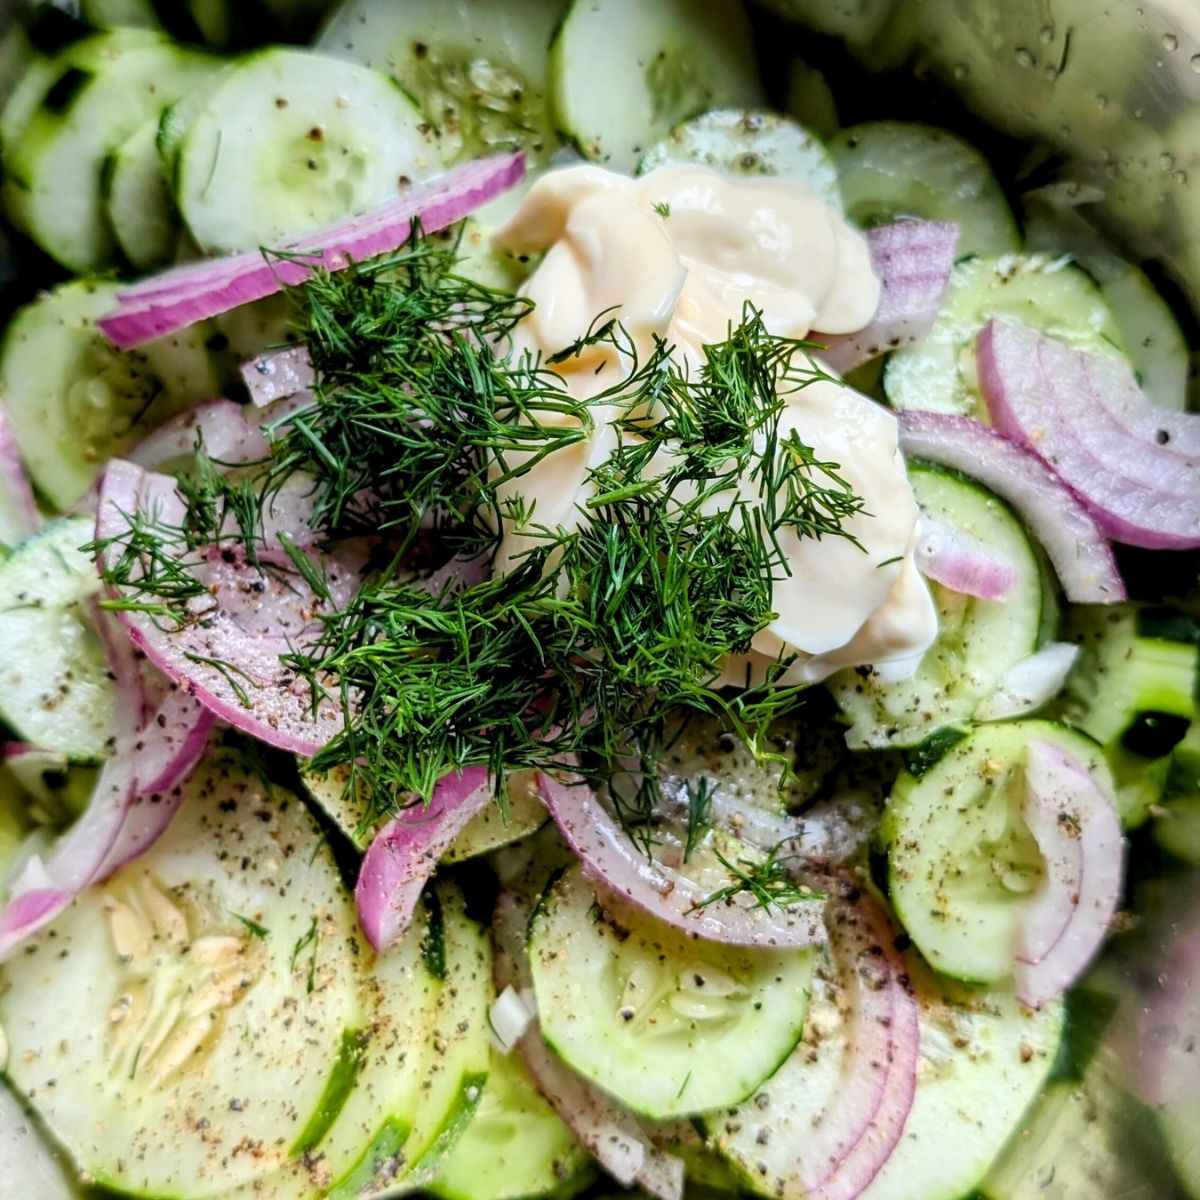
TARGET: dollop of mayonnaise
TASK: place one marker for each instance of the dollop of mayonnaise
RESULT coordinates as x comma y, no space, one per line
677,255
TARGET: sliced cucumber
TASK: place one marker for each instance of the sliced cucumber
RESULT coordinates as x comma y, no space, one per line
893,169
404,1133
983,1059
961,862
1152,335
74,400
1177,823
667,1024
477,69
57,167
177,1028
515,1146
1178,1122
978,640
1054,297
54,684
485,832
29,1169
744,142
1134,690
138,201
625,72
14,824
289,141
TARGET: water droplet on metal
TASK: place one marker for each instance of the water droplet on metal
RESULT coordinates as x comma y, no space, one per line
1051,73
1170,43
1180,177
1194,63
1024,57
1046,33
1101,101
961,71
1166,160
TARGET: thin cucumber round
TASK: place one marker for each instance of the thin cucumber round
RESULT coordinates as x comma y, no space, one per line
742,142
893,169
667,1024
74,400
138,201
149,1026
983,1059
477,69
515,1146
938,374
962,865
57,167
978,640
290,141
625,72
55,690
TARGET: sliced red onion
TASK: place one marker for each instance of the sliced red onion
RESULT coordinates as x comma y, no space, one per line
19,516
179,298
228,655
137,793
272,377
226,437
1080,553
406,851
913,261
1057,402
458,574
1030,683
857,1133
952,557
612,1134
1079,837
610,859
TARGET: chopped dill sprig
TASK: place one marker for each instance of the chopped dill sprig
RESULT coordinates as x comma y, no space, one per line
768,881
594,636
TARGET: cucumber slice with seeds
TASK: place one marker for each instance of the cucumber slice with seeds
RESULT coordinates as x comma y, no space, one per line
893,169
75,401
149,1026
57,167
477,69
289,141
618,93
961,863
741,142
54,684
938,374
667,1024
977,642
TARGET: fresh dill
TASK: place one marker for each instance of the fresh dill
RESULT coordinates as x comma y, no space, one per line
662,208
307,941
582,649
256,930
767,881
699,801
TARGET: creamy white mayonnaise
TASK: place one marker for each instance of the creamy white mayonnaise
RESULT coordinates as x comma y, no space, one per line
677,255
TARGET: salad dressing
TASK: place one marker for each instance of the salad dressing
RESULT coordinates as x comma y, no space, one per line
680,255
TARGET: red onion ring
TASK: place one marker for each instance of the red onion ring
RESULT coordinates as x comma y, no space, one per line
19,516
613,1136
1079,836
405,853
1056,401
227,437
1076,546
912,260
962,563
611,860
229,657
181,297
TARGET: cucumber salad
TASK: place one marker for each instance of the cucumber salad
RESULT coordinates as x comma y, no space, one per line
574,623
